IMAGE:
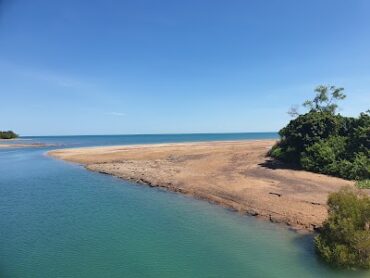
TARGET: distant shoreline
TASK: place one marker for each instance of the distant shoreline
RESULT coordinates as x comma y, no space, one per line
13,143
233,174
13,146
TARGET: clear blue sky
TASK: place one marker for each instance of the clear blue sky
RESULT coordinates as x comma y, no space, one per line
118,67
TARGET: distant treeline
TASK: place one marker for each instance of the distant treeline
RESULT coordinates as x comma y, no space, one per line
8,134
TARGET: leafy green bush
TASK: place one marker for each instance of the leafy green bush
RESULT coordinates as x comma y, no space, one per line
327,157
283,153
360,167
344,240
324,142
8,134
307,130
322,156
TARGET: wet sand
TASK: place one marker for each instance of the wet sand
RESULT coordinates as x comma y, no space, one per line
236,175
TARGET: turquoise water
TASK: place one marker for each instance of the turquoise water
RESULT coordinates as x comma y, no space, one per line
59,220
98,140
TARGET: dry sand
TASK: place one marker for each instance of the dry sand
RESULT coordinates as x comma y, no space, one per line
236,175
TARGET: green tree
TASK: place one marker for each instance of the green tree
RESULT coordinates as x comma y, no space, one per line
303,132
344,240
325,100
325,142
322,156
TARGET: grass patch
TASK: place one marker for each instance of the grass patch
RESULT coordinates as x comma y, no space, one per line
364,184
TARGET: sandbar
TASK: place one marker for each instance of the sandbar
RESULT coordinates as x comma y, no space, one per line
237,175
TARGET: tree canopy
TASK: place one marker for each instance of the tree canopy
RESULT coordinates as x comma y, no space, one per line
323,141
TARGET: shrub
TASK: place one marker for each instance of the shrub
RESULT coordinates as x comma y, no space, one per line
283,153
359,138
324,142
364,184
325,157
360,167
344,240
318,157
307,130
322,156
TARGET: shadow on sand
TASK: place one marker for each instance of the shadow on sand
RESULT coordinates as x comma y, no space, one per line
274,164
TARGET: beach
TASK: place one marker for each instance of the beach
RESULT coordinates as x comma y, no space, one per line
237,175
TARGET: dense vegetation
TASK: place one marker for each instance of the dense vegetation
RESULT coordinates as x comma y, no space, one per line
345,237
8,134
325,142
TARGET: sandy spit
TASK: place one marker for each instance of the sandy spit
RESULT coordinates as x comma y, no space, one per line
236,175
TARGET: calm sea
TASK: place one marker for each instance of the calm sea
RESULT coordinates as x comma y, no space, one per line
59,220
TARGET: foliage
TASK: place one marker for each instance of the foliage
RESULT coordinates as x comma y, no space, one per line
359,134
325,100
325,142
364,184
323,155
306,130
344,240
8,134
